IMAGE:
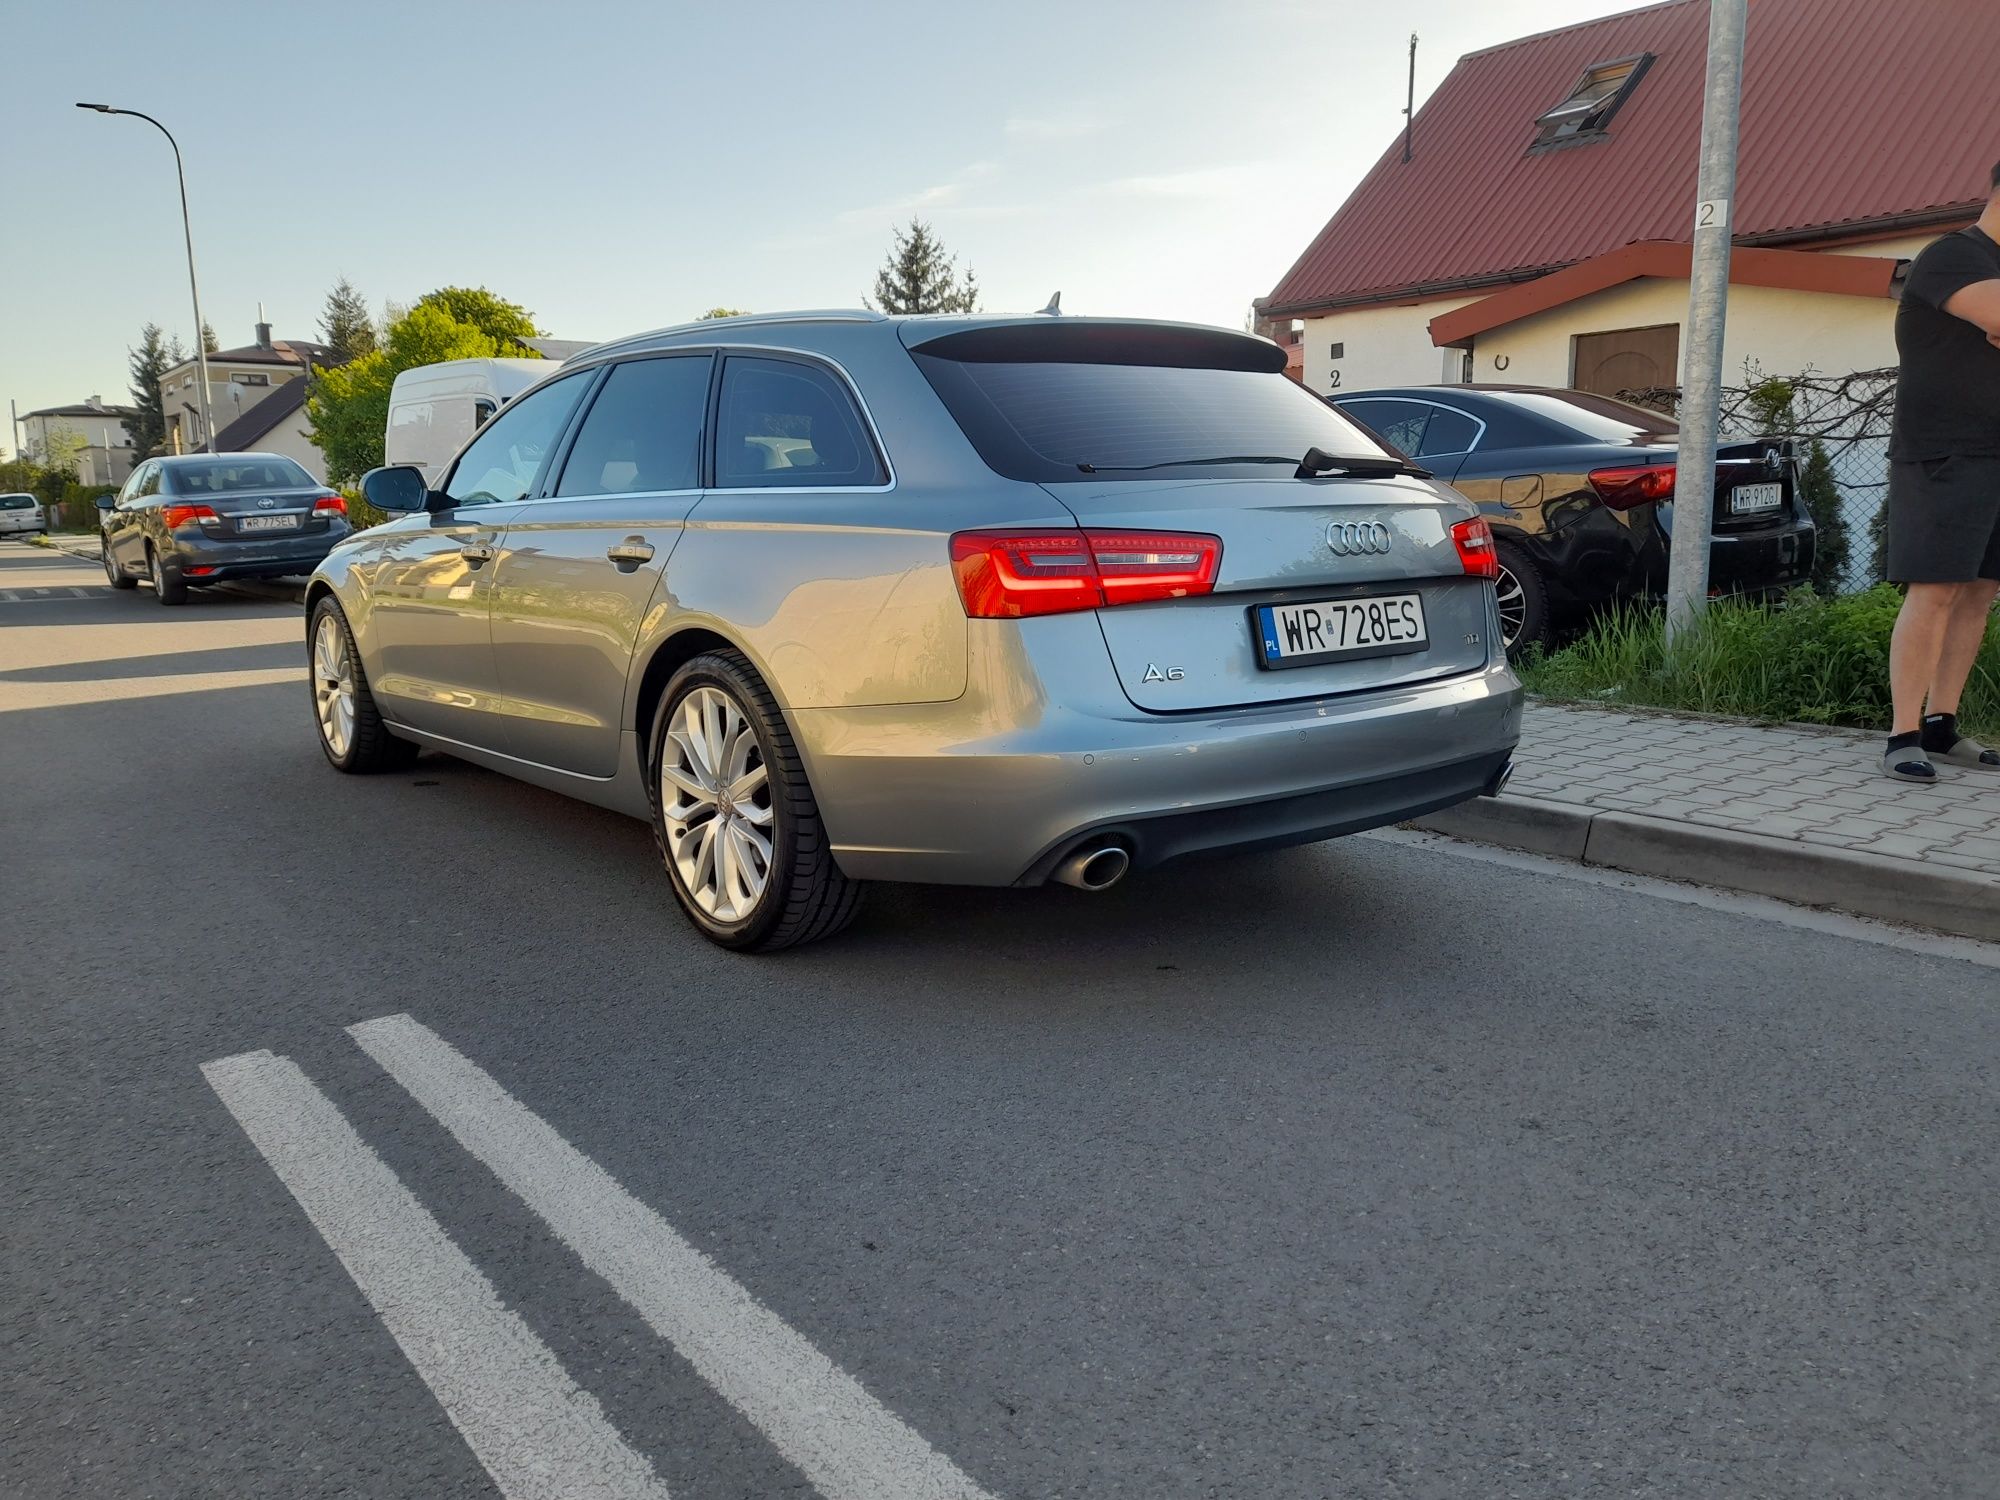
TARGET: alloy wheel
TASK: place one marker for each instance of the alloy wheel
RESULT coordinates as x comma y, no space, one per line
110,567
333,685
715,798
1513,600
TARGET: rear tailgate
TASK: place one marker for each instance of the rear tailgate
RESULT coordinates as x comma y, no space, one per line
1279,539
1756,486
261,515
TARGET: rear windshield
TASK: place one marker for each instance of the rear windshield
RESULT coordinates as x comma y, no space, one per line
1056,421
225,476
16,502
1602,418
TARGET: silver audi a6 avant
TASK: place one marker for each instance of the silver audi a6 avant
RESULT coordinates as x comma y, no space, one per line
835,597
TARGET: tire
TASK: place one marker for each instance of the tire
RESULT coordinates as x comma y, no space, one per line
357,742
804,896
168,586
1524,601
115,575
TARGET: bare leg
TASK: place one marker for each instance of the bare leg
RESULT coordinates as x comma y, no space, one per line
1916,649
1964,633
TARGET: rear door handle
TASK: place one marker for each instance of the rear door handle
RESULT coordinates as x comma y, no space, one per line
630,552
476,553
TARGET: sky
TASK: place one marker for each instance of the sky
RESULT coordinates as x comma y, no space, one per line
615,167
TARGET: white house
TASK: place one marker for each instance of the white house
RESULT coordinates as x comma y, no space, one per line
95,436
1539,232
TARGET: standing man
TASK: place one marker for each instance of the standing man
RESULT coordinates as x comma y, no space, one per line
1944,492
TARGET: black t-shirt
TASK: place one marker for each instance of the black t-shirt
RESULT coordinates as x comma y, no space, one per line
1948,390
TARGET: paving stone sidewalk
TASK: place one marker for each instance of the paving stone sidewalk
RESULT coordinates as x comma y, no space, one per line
1817,786
1791,811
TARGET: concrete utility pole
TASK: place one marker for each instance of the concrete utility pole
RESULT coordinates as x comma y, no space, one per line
187,231
1708,308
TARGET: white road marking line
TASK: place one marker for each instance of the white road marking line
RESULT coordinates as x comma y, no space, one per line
536,1432
848,1444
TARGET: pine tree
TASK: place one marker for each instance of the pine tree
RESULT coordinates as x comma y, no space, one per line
346,325
152,359
208,343
919,277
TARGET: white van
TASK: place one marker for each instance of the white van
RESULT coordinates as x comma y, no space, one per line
435,409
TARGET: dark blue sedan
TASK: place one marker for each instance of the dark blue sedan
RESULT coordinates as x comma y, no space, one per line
196,519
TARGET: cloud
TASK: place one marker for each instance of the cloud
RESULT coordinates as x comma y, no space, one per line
925,200
1200,182
1051,127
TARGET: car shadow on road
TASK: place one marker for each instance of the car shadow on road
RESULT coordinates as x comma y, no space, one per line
245,658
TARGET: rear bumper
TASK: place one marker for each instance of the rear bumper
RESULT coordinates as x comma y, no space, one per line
219,562
1762,562
938,793
225,572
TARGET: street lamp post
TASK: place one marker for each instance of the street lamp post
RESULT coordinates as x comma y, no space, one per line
194,292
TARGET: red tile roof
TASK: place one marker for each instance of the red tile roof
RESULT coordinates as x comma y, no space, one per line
1858,115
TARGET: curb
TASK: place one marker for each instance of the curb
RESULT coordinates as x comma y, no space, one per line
1851,880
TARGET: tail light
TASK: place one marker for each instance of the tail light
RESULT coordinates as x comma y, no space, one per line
179,515
1623,489
330,505
197,572
1005,575
1474,540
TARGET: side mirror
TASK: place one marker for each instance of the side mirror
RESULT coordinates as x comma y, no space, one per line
398,490
107,502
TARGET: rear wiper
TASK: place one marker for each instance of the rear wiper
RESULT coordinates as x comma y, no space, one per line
1317,461
1175,463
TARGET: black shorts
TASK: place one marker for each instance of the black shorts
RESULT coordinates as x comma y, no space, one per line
1944,519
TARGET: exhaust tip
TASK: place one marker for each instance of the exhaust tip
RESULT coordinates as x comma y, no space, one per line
1498,782
1094,868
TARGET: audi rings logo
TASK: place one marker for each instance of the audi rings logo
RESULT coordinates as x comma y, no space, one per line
1357,538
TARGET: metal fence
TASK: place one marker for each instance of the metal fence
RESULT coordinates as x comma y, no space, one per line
1841,426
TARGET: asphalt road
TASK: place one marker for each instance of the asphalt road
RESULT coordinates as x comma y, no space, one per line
1372,1169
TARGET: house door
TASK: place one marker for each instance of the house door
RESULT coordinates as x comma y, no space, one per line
1627,359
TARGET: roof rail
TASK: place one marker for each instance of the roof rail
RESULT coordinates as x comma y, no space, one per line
743,320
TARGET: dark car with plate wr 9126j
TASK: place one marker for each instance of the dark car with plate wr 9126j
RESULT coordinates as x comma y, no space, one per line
1578,489
195,519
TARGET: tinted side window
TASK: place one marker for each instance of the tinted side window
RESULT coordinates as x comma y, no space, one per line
783,423
502,464
643,432
1399,422
1449,432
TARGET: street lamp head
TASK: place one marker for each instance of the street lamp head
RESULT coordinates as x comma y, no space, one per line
102,109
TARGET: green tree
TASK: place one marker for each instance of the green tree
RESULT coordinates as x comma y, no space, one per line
348,406
506,323
345,324
919,277
208,343
152,359
723,312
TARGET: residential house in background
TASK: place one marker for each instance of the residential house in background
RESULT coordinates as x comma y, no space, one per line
1540,233
276,424
238,381
97,438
